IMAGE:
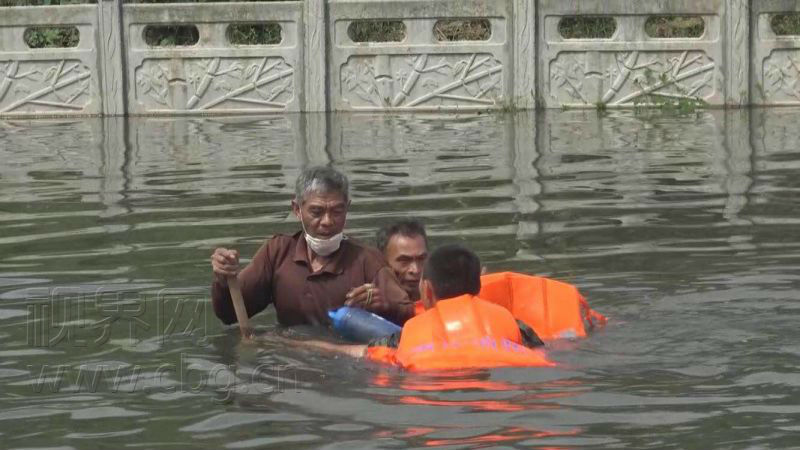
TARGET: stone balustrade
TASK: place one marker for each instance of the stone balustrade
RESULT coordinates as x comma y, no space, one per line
523,61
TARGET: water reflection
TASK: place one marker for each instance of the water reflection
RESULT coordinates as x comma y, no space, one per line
683,229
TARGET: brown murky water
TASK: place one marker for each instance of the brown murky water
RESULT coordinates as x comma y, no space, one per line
683,229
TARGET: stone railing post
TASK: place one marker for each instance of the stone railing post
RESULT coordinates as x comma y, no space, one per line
524,54
111,54
736,38
314,54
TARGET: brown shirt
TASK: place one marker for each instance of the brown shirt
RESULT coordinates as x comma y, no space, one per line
280,274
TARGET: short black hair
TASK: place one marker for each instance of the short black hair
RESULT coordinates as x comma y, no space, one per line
453,270
405,227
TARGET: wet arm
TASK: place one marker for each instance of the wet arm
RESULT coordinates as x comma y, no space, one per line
255,280
390,341
529,337
356,351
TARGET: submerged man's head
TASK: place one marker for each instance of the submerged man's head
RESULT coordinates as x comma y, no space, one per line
405,246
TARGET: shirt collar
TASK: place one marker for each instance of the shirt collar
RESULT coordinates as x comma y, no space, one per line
335,265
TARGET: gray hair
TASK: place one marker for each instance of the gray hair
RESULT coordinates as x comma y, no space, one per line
409,227
321,179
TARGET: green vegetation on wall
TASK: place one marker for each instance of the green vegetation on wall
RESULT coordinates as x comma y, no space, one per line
675,27
786,24
570,27
462,30
377,31
254,33
587,27
171,35
43,2
52,37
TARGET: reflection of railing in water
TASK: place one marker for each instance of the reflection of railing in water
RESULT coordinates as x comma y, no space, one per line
524,59
662,187
542,183
542,178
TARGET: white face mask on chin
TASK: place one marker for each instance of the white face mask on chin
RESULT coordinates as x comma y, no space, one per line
322,247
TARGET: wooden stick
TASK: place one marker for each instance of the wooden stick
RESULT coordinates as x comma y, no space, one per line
238,306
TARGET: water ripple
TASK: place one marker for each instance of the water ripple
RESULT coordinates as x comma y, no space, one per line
683,229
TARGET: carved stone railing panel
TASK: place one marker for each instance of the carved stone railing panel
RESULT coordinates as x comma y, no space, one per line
630,67
776,59
525,63
214,84
407,81
419,73
49,81
214,76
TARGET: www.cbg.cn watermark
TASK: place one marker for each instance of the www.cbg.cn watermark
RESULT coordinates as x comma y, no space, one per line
186,376
73,317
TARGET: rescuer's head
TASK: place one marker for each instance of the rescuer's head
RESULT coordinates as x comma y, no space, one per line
450,271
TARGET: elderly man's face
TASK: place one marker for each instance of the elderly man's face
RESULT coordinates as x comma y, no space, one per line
406,256
323,213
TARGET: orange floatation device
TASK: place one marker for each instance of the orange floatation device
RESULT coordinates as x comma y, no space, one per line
457,333
482,331
553,309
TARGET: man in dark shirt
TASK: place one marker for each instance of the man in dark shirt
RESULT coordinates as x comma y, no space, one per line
314,270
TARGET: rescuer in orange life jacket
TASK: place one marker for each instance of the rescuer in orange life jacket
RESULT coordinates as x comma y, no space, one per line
458,329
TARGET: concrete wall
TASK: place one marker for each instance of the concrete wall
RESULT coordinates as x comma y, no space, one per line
420,72
629,66
525,63
214,75
49,81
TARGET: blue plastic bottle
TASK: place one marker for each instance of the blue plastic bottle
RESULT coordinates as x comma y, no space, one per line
360,325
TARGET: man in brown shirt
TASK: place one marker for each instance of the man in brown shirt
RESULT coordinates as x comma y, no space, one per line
314,270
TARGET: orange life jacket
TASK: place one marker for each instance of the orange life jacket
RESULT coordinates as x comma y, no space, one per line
461,332
553,309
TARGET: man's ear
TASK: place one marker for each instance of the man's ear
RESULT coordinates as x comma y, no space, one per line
296,209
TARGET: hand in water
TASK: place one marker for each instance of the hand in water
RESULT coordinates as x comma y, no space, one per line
224,263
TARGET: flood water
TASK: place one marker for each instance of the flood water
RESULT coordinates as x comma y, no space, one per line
683,229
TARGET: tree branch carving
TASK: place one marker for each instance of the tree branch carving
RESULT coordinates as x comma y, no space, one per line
629,77
208,83
44,83
422,80
782,77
